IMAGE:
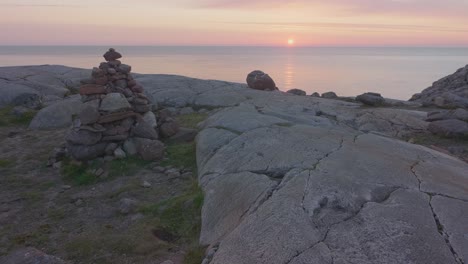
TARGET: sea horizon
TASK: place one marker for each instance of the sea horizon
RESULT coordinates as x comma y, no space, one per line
395,72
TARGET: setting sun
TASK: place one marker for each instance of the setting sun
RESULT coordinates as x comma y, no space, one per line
290,42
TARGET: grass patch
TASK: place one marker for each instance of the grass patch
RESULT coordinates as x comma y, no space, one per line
4,163
195,255
78,174
191,120
123,167
181,155
9,119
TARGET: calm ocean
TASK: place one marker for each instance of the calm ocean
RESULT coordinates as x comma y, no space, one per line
393,72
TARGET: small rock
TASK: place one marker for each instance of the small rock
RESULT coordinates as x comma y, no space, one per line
150,119
159,169
127,206
130,147
169,129
144,130
315,94
119,153
57,165
79,202
329,95
259,80
99,172
151,150
114,102
173,173
112,55
111,148
297,92
145,184
66,187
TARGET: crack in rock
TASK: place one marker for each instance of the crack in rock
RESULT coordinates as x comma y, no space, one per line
443,233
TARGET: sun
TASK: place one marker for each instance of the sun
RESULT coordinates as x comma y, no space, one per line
290,42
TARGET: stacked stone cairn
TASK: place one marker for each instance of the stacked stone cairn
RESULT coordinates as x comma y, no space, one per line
117,119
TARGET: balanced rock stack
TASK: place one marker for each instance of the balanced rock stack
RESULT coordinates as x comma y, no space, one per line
116,120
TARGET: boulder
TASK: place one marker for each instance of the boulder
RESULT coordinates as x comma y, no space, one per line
114,102
84,153
185,135
315,94
151,150
129,147
448,92
329,95
297,92
57,115
372,99
259,80
16,94
168,129
453,128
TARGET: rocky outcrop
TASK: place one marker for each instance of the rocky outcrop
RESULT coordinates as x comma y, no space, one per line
329,95
448,92
451,124
259,80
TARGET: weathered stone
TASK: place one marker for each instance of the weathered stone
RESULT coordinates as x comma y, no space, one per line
114,63
297,92
121,84
114,102
150,119
112,55
142,108
168,129
125,68
127,206
90,89
83,137
148,149
449,128
111,147
89,115
315,94
144,130
185,135
372,99
119,153
130,147
57,115
116,117
329,95
83,153
259,80
137,88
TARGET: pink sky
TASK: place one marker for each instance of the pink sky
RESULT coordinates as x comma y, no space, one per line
235,22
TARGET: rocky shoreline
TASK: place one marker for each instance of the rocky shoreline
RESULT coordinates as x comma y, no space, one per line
303,179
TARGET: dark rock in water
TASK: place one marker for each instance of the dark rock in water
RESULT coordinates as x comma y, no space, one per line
83,137
144,130
460,114
168,129
149,149
297,92
83,153
259,80
30,256
315,94
372,99
112,55
448,92
453,128
329,95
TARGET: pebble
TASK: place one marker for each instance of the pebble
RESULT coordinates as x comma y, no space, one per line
159,169
145,184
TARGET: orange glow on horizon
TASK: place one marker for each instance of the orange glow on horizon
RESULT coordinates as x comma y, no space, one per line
291,42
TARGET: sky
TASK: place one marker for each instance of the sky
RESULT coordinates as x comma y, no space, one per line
235,22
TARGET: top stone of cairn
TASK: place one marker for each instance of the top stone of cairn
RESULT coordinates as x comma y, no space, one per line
112,55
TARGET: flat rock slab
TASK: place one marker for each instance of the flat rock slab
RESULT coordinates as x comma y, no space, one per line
330,194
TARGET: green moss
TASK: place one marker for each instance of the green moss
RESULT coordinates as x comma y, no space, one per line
194,255
181,155
127,166
179,215
5,163
9,119
78,174
191,120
